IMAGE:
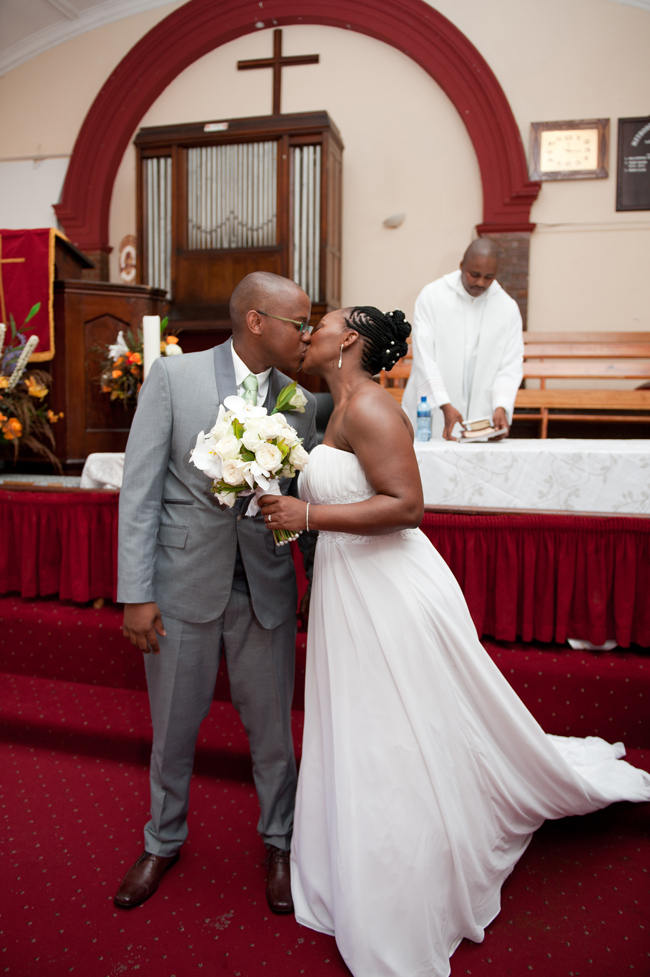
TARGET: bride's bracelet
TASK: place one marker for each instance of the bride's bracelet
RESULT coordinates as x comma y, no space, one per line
307,517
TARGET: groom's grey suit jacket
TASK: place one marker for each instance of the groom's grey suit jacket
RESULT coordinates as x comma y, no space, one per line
176,545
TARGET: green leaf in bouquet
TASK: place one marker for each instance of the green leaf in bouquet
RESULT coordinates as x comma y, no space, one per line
222,486
246,455
283,447
237,428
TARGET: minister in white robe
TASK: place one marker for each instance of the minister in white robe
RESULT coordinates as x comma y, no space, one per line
467,347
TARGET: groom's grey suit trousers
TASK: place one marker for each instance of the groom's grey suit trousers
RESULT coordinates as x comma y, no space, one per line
181,685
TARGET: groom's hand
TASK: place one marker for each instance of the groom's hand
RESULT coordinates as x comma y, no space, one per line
142,624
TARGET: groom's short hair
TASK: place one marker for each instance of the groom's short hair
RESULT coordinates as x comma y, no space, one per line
253,291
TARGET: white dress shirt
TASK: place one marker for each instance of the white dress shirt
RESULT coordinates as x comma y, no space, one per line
242,371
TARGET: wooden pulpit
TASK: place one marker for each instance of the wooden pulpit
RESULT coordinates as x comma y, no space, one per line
87,317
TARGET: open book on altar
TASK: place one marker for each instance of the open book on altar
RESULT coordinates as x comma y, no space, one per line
480,429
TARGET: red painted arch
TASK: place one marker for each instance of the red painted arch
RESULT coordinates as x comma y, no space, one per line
200,26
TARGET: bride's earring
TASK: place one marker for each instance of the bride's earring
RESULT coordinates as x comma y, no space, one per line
341,356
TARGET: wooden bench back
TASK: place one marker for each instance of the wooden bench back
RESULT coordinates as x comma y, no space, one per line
598,355
571,356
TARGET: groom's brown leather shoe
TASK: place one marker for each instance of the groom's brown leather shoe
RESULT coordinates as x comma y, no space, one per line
142,879
278,880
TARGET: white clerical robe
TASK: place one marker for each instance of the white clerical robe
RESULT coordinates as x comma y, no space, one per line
466,351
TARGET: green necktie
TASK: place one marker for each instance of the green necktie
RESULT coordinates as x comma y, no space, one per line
250,389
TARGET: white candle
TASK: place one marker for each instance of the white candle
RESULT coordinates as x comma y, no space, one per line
150,341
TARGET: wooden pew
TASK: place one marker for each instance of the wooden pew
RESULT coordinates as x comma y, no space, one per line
618,356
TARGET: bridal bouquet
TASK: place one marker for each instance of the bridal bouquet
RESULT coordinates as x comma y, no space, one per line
248,451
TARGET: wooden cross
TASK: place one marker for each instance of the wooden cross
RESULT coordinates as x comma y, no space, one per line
5,261
277,62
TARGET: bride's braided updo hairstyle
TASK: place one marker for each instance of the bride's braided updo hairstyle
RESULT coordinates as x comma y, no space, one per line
384,336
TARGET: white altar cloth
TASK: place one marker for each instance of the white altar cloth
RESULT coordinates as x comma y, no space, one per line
561,474
103,470
565,475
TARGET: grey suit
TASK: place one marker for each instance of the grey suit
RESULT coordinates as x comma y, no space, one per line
178,548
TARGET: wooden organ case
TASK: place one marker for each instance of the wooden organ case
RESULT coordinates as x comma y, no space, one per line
218,200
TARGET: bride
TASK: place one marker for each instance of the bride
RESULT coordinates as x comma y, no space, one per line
423,776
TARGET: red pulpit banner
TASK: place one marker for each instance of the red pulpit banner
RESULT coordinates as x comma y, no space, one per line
27,277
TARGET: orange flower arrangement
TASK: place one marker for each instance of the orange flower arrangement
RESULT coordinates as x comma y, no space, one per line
25,419
11,428
121,376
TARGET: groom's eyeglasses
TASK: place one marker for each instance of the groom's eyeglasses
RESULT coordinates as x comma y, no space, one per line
301,324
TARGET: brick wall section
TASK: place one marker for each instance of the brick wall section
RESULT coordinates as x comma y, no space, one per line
514,249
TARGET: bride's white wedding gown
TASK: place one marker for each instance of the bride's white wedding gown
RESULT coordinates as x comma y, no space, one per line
423,775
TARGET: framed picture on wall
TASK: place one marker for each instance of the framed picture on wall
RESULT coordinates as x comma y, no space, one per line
633,165
572,150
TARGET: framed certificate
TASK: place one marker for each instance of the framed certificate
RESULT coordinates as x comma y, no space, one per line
575,150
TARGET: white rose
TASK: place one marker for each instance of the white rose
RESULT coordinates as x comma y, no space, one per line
266,427
298,457
226,498
289,435
234,471
172,349
227,447
251,439
268,457
254,432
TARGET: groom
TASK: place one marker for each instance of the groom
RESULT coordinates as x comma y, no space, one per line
196,578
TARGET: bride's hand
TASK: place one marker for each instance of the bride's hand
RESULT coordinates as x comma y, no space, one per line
283,512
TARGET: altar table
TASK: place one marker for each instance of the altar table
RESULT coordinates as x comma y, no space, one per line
554,474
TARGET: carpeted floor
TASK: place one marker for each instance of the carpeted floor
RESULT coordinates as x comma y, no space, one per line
73,750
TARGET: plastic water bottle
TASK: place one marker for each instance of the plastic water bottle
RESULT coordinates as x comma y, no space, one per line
423,426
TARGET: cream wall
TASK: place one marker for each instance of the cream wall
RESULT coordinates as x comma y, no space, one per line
406,148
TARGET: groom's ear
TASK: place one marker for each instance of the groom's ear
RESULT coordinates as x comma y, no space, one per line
254,322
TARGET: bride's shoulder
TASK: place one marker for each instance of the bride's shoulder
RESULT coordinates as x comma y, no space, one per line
371,403
372,396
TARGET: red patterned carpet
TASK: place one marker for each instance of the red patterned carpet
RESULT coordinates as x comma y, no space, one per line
74,748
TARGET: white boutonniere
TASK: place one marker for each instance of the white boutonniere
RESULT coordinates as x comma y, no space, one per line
290,398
